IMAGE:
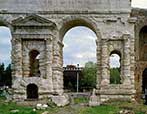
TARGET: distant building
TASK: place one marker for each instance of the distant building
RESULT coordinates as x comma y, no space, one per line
70,77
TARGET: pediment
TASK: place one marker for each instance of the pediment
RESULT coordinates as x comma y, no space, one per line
33,20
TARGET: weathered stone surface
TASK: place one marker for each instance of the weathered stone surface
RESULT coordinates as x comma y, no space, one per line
41,25
94,99
31,6
46,112
61,100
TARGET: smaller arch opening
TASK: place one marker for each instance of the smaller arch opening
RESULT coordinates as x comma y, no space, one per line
144,80
115,67
34,63
143,43
32,91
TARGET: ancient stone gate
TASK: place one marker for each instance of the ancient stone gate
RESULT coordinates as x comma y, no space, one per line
38,28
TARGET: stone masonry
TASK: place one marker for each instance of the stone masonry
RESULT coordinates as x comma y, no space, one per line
41,25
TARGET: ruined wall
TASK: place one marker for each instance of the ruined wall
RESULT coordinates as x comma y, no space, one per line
109,19
140,53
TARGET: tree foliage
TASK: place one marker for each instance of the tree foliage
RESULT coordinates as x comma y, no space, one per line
5,75
89,75
115,76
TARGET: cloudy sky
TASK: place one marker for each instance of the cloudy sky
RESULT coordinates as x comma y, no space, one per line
79,44
5,45
139,3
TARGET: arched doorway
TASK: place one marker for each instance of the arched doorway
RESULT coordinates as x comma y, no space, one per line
141,62
79,49
32,91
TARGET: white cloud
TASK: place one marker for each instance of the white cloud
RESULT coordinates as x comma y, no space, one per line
139,3
5,45
114,61
79,56
81,46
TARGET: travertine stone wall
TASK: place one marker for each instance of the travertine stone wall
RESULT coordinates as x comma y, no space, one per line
42,25
140,62
76,6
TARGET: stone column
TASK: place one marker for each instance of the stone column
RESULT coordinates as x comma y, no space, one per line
49,58
132,54
25,61
126,66
16,57
57,68
98,55
104,63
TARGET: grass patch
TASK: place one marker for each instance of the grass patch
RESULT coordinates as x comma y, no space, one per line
110,108
100,110
7,107
81,100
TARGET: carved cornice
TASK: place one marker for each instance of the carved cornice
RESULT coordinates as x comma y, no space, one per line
33,21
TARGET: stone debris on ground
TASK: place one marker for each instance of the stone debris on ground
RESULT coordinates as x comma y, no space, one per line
126,112
41,106
46,112
14,111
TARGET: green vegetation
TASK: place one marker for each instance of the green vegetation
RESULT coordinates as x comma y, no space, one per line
100,110
7,107
77,108
89,75
115,76
81,100
5,75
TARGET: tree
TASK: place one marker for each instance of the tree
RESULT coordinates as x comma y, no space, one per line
115,76
2,70
89,75
5,75
8,77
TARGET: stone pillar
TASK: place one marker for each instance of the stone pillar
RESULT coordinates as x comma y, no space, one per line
16,57
126,66
26,61
132,54
49,58
57,68
98,55
104,64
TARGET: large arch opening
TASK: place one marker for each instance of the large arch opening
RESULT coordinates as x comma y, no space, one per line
79,57
32,91
141,63
5,55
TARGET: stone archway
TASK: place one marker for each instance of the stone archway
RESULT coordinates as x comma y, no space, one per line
141,60
72,22
43,29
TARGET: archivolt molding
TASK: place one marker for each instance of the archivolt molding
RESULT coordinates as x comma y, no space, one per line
73,21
